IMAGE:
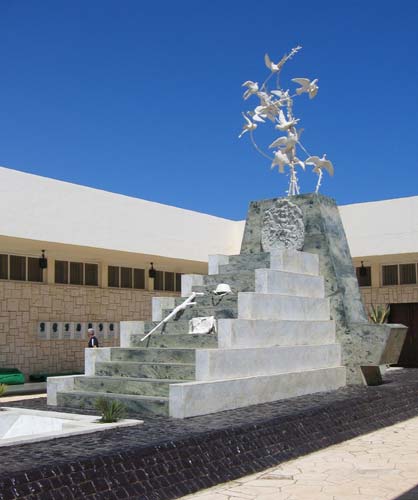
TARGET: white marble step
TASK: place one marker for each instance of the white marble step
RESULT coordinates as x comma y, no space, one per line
253,305
285,283
199,398
293,261
220,364
265,333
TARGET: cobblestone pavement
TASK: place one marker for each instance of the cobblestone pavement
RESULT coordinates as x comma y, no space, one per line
167,458
400,385
382,465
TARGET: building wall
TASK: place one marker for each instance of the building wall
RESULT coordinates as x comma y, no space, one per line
377,294
381,228
23,305
389,295
44,209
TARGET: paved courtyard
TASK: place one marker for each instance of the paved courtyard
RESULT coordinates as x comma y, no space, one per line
382,465
357,442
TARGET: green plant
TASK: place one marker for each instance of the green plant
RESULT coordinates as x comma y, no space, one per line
3,388
379,314
111,411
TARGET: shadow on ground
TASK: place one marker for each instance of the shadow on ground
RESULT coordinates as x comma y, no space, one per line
411,494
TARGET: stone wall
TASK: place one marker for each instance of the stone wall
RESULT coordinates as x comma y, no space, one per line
23,305
389,295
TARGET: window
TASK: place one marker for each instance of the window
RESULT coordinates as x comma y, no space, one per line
389,275
407,274
113,276
21,268
61,271
126,277
35,273
169,282
76,273
178,282
4,267
402,274
17,268
159,280
139,278
91,274
364,275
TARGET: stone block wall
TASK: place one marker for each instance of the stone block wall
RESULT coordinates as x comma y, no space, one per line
389,295
23,305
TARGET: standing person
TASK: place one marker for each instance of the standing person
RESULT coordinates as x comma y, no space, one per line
93,342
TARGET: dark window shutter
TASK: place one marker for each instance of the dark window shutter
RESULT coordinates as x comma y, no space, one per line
76,273
364,276
113,276
17,268
4,267
61,271
126,277
389,275
35,273
178,282
139,278
169,282
407,274
91,274
159,280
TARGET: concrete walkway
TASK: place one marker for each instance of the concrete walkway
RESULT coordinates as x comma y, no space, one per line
382,465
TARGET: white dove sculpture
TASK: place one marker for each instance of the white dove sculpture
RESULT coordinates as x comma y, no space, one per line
258,116
308,86
247,127
287,143
280,160
252,88
320,164
274,68
267,111
285,124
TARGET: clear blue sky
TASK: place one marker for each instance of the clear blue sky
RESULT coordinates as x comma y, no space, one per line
144,98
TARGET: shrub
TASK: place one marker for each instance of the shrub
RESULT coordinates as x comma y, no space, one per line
111,411
379,314
3,388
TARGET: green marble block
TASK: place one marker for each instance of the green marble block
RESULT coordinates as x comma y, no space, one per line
364,346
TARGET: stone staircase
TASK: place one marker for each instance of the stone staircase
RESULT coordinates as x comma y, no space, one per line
275,340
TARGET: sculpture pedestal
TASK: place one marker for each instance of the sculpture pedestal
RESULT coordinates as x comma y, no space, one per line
363,344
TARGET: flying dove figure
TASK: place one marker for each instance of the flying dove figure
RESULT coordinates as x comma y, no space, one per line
308,86
252,88
280,160
274,68
320,164
285,124
247,127
287,143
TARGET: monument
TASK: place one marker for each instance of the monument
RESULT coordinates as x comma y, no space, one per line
285,316
364,346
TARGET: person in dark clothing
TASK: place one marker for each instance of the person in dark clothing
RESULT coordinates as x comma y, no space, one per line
93,342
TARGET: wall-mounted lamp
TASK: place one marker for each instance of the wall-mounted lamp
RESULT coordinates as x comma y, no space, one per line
152,273
43,261
363,270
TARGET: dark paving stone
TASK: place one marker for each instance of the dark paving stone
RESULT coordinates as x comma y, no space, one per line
167,458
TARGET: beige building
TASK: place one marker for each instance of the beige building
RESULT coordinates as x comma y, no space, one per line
98,248
383,239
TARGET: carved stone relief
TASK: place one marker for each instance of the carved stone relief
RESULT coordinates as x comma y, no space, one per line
283,227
